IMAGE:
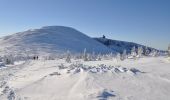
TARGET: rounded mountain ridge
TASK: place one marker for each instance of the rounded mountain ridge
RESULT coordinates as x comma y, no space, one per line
50,40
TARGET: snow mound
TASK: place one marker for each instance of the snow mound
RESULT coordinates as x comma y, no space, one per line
50,40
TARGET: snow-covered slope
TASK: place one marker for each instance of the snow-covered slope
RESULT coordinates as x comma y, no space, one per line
50,40
119,46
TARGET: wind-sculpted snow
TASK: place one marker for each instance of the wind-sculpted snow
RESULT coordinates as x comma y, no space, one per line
77,68
141,79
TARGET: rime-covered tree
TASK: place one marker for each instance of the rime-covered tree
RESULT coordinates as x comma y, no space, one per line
140,51
85,56
8,59
1,59
153,53
118,57
68,57
124,55
93,56
133,52
99,58
146,51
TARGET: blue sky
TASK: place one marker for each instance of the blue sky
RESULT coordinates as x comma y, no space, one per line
142,21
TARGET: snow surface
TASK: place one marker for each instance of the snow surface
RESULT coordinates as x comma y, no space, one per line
143,79
50,40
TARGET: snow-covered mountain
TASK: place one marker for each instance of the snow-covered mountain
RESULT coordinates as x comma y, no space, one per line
50,40
105,78
120,46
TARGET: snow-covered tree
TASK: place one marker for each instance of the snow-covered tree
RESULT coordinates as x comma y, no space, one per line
68,57
133,52
110,55
146,51
50,57
169,50
153,53
85,56
93,56
140,51
1,59
8,59
124,55
99,58
118,57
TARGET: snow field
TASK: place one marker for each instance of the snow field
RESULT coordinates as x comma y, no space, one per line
142,79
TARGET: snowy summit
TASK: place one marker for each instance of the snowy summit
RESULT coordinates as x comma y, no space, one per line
50,40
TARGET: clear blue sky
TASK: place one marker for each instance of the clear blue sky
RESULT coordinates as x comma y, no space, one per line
141,21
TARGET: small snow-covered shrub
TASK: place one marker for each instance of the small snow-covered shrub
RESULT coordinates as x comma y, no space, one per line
85,56
169,51
124,55
99,57
154,53
146,51
8,59
140,51
118,57
92,57
61,66
21,57
2,64
133,52
68,57
50,57
1,59
108,56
